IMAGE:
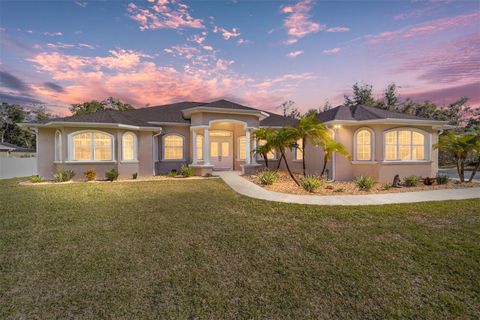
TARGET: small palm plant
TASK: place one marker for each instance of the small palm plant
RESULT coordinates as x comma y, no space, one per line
330,146
281,140
264,134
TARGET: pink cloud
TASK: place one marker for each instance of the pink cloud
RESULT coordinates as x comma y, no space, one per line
53,34
338,29
413,14
294,54
224,64
227,34
332,51
444,94
61,45
454,62
426,28
297,22
165,14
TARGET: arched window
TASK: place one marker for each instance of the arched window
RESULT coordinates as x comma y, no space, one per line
58,146
129,147
199,147
405,144
298,154
91,145
364,144
173,147
242,148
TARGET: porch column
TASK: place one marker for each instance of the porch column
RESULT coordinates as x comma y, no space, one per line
254,155
194,146
247,145
206,147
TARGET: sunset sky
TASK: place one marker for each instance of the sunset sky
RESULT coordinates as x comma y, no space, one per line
258,53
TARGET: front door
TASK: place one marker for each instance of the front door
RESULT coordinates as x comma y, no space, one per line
221,150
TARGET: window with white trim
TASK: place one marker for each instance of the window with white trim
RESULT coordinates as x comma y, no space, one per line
129,146
173,147
271,154
298,154
405,145
363,145
58,146
242,148
199,147
91,145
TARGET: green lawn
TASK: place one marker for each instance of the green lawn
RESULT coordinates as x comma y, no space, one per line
196,249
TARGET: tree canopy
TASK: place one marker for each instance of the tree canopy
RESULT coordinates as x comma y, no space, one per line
93,106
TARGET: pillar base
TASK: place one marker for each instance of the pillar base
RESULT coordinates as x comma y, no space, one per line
249,169
201,169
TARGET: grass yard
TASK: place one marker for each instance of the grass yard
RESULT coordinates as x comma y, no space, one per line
196,249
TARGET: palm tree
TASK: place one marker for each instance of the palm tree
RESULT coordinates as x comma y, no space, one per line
330,146
309,128
264,134
461,147
282,139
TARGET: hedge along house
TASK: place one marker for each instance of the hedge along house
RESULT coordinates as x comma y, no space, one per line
220,136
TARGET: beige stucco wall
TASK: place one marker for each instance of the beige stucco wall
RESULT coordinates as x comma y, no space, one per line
204,119
382,172
46,155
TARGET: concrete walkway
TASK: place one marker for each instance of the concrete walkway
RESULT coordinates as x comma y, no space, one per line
249,189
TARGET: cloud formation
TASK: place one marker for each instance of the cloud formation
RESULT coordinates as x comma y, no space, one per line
332,51
164,14
294,54
426,28
337,29
298,22
225,33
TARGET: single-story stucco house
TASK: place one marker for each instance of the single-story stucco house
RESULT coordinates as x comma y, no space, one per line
220,136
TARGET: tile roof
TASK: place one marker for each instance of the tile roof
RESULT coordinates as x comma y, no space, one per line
362,113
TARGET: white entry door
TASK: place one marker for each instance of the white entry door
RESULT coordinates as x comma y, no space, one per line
221,150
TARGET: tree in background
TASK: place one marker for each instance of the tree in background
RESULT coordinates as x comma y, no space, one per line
362,94
10,131
390,96
289,109
94,106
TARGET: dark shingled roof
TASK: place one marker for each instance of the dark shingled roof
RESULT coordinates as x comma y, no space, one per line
13,148
167,113
362,113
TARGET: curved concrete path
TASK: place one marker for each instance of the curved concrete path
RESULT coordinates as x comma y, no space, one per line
249,189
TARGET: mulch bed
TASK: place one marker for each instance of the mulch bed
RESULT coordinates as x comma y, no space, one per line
285,184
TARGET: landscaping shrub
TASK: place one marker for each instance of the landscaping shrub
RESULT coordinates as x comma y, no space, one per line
135,175
411,181
186,171
208,175
111,175
428,181
172,173
267,177
442,179
90,175
387,186
36,179
310,183
339,190
364,183
63,176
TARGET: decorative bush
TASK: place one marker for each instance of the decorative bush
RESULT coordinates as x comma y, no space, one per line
63,176
90,175
36,179
411,181
267,177
387,186
208,175
339,190
186,171
364,183
428,181
172,173
111,175
442,179
135,175
310,183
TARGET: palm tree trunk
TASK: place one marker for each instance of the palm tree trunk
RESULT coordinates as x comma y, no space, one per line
462,171
474,172
288,168
265,158
324,165
303,155
279,161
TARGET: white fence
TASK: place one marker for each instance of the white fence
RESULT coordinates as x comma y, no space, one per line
17,167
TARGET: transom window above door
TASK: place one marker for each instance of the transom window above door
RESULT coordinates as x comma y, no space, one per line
220,133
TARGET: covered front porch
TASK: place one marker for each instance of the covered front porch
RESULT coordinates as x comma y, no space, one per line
223,145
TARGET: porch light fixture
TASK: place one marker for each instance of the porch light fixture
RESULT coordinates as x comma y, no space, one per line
337,126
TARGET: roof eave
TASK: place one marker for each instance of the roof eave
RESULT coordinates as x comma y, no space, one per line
260,114
388,121
57,124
